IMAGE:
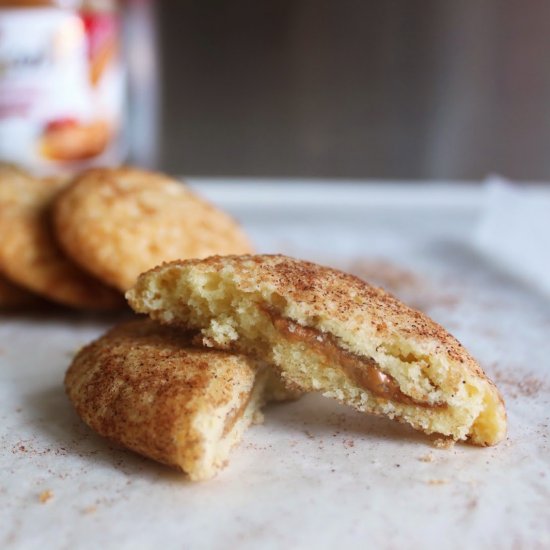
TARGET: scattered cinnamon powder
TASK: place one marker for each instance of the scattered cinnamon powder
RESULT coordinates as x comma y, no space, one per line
517,383
384,273
27,446
416,290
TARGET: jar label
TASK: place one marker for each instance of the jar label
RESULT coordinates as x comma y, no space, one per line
61,88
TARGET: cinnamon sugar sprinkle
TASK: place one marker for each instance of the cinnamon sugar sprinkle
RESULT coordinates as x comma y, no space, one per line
415,289
388,275
516,383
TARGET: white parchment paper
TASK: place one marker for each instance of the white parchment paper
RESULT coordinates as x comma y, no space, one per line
514,231
315,474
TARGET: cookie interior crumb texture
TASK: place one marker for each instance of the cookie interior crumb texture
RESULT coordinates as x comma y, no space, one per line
330,332
148,388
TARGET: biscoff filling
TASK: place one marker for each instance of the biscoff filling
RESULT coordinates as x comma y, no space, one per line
363,371
237,412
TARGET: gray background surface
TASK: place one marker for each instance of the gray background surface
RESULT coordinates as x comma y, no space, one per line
355,88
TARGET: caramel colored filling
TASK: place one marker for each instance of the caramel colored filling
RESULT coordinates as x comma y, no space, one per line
237,412
362,370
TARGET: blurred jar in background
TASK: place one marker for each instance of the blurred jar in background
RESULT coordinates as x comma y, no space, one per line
141,47
62,84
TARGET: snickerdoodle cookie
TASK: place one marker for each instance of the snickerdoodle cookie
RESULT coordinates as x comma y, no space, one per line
117,223
330,332
15,297
29,253
150,389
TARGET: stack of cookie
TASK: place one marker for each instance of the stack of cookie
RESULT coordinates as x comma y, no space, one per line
82,242
227,334
157,392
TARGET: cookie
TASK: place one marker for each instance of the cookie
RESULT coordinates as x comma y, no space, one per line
148,388
29,254
117,223
15,297
331,332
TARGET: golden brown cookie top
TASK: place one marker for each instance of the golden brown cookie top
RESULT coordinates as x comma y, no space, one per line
308,292
20,189
251,302
29,253
117,223
148,387
152,358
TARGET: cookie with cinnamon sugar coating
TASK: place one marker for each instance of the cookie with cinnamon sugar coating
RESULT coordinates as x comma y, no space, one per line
331,332
150,389
14,297
29,253
118,222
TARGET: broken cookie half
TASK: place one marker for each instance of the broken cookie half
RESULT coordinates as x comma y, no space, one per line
331,332
148,388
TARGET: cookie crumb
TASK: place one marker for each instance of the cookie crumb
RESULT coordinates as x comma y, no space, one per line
427,458
45,496
437,481
257,418
443,443
89,510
